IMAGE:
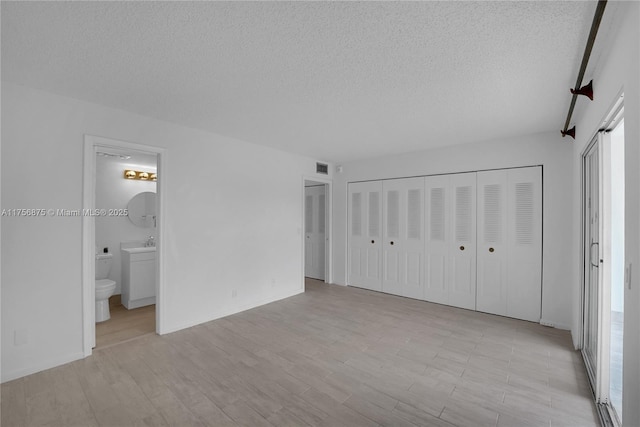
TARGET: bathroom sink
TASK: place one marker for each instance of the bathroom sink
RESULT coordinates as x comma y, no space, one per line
140,249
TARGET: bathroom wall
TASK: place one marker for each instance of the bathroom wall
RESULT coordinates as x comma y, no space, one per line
114,192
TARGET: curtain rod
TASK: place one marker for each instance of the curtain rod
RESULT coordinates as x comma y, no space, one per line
585,58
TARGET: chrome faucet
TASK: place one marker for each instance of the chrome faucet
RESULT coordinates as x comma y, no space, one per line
150,242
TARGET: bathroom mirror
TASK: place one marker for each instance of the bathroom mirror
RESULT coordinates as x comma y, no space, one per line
142,209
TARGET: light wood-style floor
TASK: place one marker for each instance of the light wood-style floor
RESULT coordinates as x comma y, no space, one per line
125,324
333,356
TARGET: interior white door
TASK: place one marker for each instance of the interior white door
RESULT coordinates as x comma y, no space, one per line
450,251
315,215
403,242
438,238
509,270
365,235
462,247
524,243
492,242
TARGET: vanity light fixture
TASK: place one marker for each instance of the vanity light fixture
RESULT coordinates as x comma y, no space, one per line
140,175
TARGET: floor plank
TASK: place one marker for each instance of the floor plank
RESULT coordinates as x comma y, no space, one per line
125,324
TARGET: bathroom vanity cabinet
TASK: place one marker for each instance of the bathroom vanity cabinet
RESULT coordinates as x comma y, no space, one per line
138,277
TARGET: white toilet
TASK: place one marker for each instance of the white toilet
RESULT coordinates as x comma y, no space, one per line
104,286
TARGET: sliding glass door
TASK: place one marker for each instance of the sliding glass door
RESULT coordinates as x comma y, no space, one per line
603,292
592,259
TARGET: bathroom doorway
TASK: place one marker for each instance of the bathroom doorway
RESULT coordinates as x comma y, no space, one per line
122,235
316,230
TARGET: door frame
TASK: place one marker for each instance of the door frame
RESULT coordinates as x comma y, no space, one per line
91,145
328,241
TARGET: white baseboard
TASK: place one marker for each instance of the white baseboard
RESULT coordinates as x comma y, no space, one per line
553,324
23,372
231,311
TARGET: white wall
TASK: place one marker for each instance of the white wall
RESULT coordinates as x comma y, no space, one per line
549,150
114,192
620,71
233,216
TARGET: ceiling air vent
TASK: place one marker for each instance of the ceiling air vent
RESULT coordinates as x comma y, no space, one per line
322,168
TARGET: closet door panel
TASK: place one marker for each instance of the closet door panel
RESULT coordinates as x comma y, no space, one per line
524,235
463,282
403,243
365,234
462,247
450,276
436,287
372,261
355,263
438,238
492,246
391,193
413,244
510,243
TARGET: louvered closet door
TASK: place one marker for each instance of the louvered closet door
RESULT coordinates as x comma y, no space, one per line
492,242
365,234
403,243
438,238
510,242
462,249
450,251
524,243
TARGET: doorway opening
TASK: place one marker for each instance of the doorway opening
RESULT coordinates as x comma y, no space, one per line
604,264
316,230
122,241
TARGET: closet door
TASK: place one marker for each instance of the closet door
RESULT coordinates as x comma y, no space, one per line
524,243
403,242
365,234
462,249
438,238
492,242
450,251
510,243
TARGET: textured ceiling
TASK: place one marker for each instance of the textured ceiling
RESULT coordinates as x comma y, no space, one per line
332,80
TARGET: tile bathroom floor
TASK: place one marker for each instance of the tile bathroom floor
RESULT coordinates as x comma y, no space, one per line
125,324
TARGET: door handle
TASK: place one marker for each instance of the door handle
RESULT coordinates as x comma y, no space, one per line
591,254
